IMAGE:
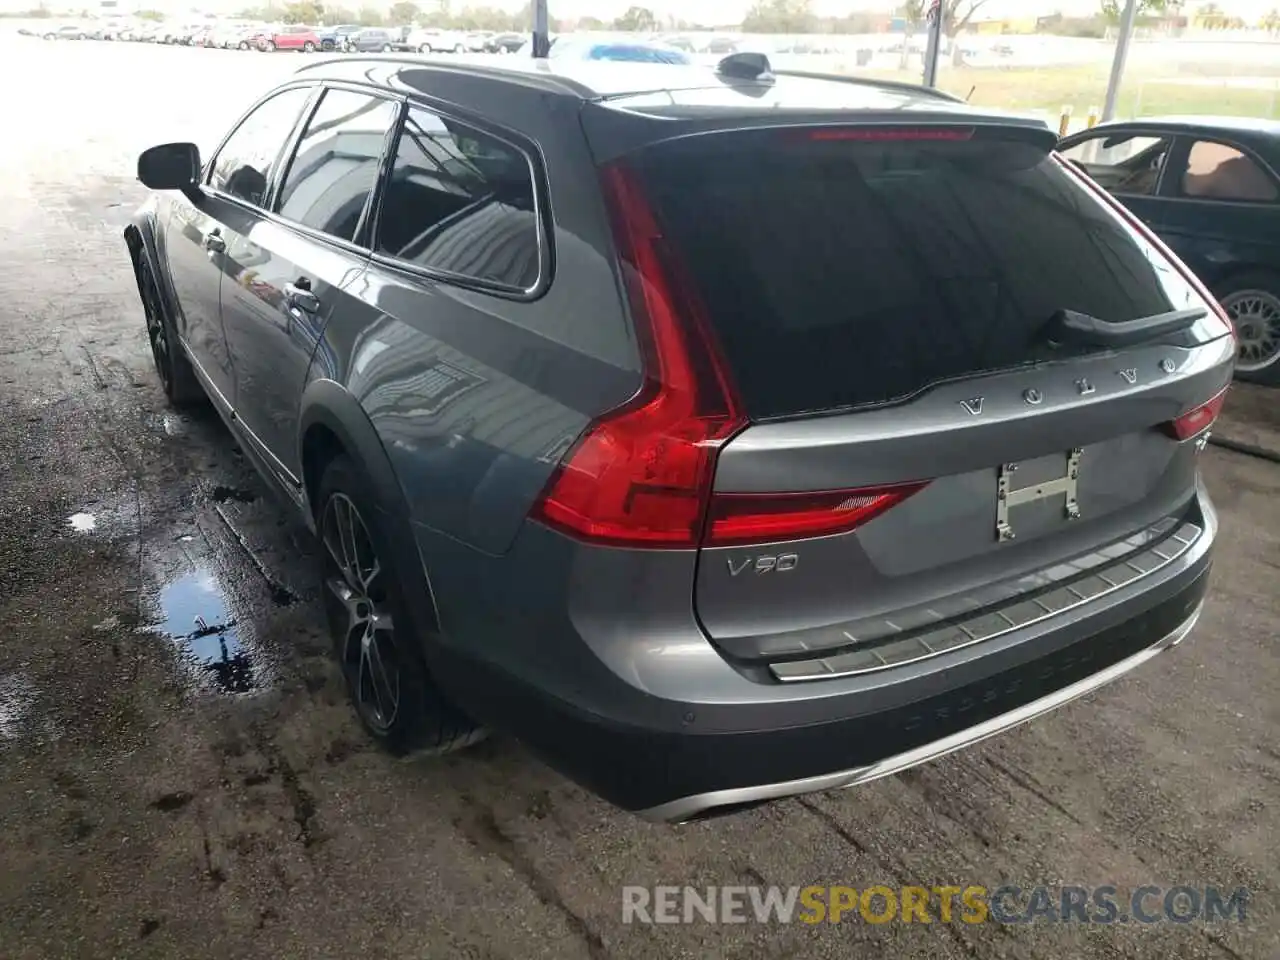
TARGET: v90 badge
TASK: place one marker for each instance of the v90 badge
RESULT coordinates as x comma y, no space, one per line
783,563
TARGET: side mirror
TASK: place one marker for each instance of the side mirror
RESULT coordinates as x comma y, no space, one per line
170,166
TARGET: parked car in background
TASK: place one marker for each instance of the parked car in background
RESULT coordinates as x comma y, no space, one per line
68,32
618,49
477,41
432,40
505,42
291,36
1210,188
373,40
769,435
337,37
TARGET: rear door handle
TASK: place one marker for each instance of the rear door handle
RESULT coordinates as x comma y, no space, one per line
299,295
214,243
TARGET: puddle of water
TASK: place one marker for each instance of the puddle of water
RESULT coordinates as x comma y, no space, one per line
198,619
82,522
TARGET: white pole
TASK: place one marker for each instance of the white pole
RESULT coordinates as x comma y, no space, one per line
541,29
934,47
1122,55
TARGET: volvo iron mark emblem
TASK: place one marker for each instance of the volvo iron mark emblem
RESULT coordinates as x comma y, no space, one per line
1130,374
974,405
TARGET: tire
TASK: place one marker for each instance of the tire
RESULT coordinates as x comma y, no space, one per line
1252,300
49,36
242,45
459,48
403,711
308,47
424,48
386,48
177,379
270,46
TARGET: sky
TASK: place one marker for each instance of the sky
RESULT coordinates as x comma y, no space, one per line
719,11
731,11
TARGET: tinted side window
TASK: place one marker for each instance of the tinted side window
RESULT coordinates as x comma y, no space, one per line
246,162
335,167
1216,171
1123,163
461,203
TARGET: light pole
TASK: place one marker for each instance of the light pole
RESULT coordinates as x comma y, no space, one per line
1127,22
541,29
934,47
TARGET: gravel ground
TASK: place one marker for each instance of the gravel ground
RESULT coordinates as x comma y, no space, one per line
171,791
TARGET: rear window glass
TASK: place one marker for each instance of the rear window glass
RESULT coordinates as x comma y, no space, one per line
847,272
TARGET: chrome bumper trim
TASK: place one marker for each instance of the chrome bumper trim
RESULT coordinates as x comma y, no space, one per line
1082,581
686,808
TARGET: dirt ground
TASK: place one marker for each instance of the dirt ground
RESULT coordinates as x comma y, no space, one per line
180,775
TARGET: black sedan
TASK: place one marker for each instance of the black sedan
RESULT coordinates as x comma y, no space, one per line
1210,187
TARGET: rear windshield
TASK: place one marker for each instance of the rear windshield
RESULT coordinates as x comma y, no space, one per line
843,272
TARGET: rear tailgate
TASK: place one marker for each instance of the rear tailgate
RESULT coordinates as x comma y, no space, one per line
883,297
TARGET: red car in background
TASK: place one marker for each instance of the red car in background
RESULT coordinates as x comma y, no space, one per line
288,37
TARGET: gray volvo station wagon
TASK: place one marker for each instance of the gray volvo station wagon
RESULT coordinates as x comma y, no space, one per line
723,433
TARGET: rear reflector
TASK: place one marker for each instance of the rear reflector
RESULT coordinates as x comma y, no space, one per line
889,133
1197,421
754,518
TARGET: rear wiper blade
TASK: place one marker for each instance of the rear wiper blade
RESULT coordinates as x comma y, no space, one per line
1071,327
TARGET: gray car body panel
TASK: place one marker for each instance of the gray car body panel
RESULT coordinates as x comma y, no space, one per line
665,642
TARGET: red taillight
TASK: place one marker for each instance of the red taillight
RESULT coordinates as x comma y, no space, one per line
753,518
888,133
641,475
1196,421
1150,237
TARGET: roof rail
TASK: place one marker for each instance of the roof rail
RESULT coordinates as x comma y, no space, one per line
917,88
506,68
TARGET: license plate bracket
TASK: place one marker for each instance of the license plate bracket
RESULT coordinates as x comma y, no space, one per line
1007,496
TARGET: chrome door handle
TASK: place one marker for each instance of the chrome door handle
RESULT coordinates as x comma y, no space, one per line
300,297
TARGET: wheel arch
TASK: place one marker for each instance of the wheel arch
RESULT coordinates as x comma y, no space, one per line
332,422
140,238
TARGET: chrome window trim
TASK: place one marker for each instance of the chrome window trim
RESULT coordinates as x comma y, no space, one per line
536,164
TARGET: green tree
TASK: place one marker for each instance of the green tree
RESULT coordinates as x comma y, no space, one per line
404,11
336,15
1113,10
590,23
369,17
153,15
780,16
1271,22
303,11
956,17
636,20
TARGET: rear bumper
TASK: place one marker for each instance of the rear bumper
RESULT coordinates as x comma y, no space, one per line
666,774
689,807
606,674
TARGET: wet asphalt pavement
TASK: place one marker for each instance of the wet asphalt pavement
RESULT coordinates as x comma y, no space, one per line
180,775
